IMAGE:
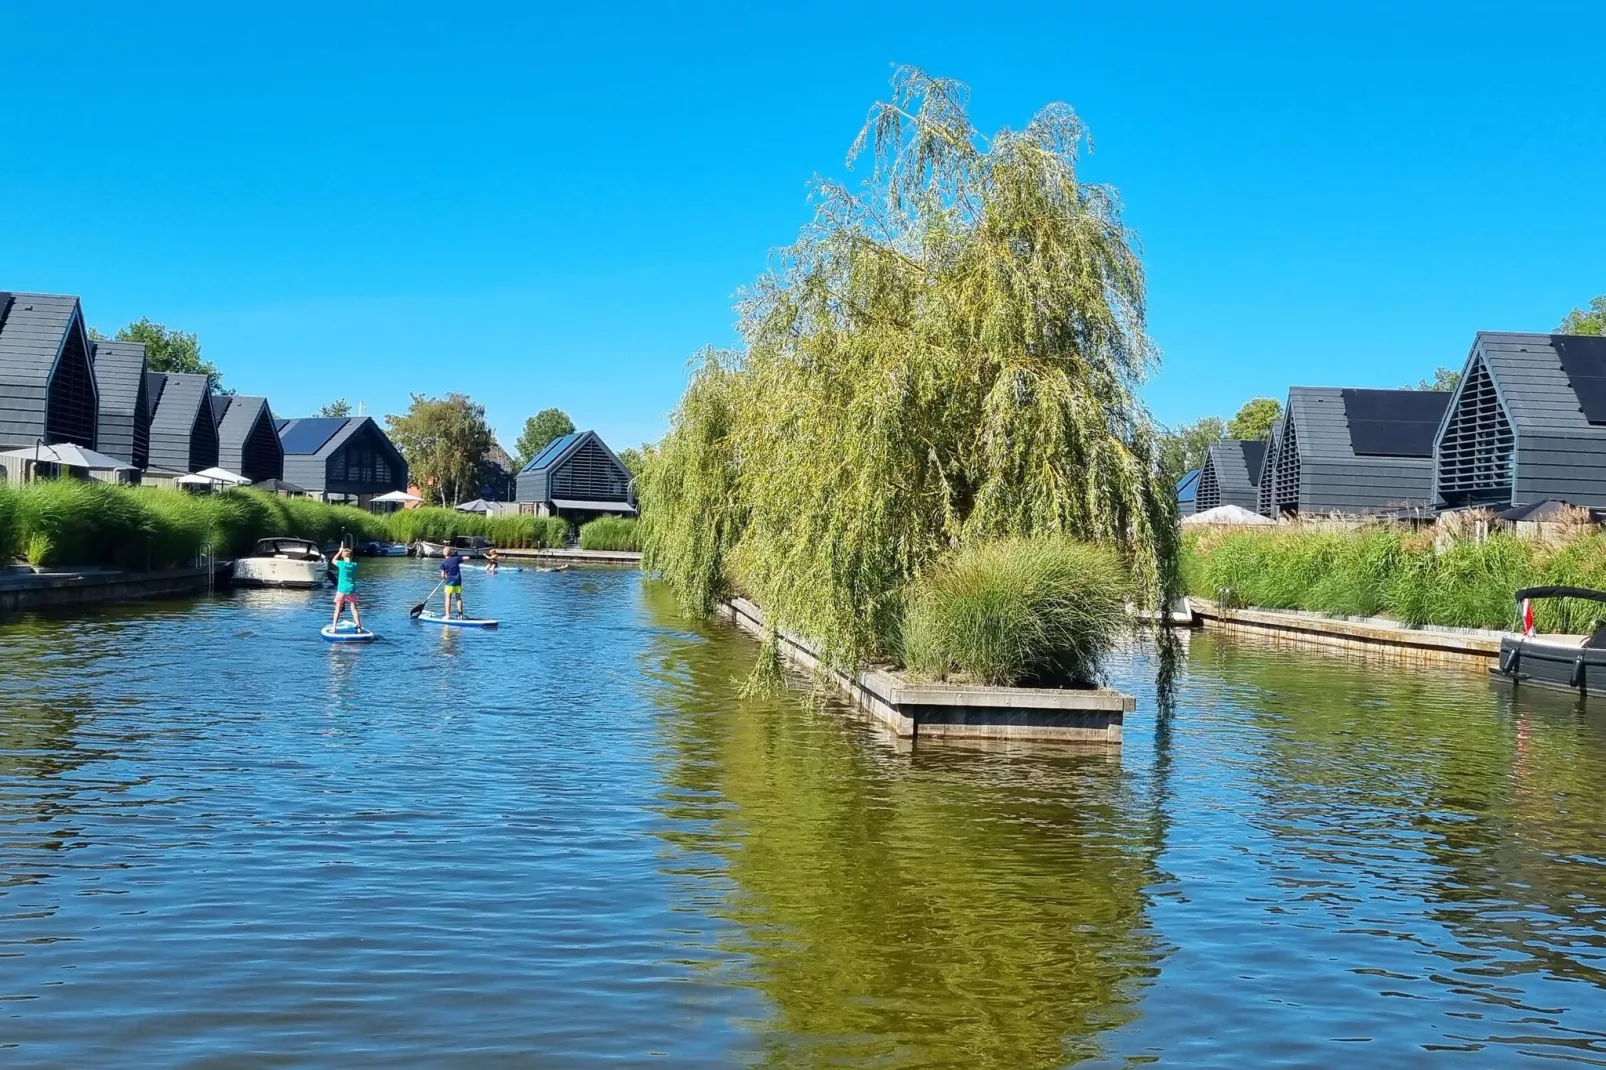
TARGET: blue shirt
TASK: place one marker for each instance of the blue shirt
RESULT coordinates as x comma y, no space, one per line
452,569
346,582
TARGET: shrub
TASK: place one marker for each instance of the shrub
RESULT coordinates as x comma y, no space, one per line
1017,610
610,533
38,549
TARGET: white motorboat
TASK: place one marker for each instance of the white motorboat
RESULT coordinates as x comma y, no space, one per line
284,561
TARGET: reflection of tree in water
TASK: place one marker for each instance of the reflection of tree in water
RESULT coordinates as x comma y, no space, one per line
1436,784
956,908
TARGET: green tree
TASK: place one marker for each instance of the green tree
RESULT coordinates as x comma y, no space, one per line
336,408
1183,448
1443,379
169,350
446,442
1586,321
539,430
634,458
1254,420
951,352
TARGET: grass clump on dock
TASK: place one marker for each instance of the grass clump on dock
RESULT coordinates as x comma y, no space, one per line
610,533
1036,610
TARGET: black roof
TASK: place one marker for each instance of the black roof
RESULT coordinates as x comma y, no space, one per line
1254,458
1394,423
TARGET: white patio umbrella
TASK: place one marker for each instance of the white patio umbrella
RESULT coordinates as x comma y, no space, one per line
70,454
193,479
223,475
396,496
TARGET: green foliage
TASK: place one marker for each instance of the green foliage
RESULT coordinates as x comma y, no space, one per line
1445,379
38,549
170,350
950,353
610,533
522,531
336,408
446,442
1254,420
539,431
1043,609
1184,448
634,458
1586,321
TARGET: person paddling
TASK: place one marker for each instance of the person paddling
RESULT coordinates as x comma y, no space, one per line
452,578
346,587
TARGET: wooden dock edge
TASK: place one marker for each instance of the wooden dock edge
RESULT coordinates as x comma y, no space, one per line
67,590
955,711
565,556
1398,643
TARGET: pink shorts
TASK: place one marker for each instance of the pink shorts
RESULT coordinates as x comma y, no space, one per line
343,599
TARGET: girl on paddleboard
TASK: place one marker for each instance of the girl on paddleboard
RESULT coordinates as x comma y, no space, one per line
346,586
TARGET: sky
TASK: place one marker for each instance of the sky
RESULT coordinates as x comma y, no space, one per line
546,205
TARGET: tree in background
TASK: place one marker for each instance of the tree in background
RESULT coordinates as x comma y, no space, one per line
446,442
539,430
336,408
168,350
633,457
1443,379
1254,420
1581,321
1183,448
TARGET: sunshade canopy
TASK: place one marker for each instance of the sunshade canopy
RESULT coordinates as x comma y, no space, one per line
70,454
396,496
223,475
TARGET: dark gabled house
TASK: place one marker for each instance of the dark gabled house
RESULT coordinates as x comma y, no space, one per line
47,380
1187,493
1356,451
183,428
1526,423
248,438
576,474
1231,475
341,458
125,410
1268,471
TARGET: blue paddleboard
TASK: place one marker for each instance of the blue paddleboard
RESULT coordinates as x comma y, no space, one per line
346,634
454,622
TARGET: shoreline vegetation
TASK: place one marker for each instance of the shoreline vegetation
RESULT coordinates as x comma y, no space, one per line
73,522
1444,576
931,431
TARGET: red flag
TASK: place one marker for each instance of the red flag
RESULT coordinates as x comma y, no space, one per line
1527,617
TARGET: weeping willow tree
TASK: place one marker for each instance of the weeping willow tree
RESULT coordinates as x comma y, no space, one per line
950,351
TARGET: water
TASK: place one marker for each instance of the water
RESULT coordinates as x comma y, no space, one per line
570,843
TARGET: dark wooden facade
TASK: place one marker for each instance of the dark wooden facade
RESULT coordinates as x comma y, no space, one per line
47,380
577,474
1355,452
125,408
183,426
341,458
248,439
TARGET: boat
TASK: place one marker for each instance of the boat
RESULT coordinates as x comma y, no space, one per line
386,549
455,622
466,546
1566,662
346,633
283,561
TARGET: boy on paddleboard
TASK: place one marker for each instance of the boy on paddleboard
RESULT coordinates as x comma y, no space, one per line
452,577
346,586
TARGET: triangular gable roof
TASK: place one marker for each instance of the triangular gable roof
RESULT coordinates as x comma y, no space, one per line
552,452
1531,383
237,417
1237,464
182,395
1321,422
119,370
33,332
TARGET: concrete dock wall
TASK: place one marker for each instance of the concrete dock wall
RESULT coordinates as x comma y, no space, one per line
54,590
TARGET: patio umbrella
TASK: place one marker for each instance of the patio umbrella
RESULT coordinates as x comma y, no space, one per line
193,479
279,486
396,496
223,475
72,455
478,505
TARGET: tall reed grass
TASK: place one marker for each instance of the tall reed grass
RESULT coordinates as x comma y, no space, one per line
441,525
610,533
1042,610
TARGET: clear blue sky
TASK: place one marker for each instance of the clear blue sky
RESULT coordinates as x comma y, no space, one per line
553,204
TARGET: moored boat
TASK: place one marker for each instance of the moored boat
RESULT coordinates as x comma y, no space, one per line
283,561
386,549
466,545
1566,662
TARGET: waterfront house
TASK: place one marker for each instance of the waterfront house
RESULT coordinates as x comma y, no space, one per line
1356,452
576,476
341,458
47,382
1187,492
1231,475
124,423
1526,423
183,429
248,438
1268,470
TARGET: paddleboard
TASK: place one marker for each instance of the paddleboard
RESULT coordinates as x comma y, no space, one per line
346,634
455,622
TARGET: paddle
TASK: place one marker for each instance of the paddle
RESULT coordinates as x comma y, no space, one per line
418,609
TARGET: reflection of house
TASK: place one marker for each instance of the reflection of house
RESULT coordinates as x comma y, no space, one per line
1356,451
576,474
341,458
125,409
1526,423
183,430
248,442
1231,475
1187,490
47,383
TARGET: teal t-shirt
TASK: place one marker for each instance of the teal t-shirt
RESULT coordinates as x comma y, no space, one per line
346,582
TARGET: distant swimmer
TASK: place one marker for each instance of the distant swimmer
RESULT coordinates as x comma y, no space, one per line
492,561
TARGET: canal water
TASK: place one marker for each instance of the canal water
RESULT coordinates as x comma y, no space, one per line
571,842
